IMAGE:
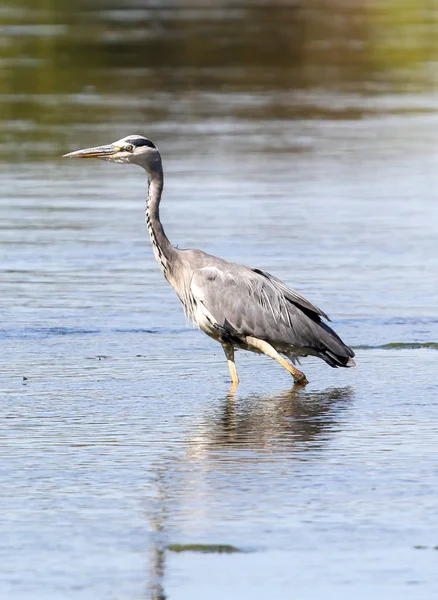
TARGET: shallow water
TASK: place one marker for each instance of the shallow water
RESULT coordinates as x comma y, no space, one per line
119,435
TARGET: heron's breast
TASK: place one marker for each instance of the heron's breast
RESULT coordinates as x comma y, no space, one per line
201,317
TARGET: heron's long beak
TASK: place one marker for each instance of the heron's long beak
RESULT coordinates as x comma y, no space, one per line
97,152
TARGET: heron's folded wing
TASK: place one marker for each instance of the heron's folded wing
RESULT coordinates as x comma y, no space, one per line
246,302
291,294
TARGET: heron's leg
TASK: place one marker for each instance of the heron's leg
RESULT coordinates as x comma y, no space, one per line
229,353
267,349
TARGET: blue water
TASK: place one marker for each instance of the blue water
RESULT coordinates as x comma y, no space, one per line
119,436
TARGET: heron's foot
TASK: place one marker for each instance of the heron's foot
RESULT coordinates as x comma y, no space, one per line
299,377
300,380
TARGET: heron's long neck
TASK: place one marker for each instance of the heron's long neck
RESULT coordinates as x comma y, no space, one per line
163,249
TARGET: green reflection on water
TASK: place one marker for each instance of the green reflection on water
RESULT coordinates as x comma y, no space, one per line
204,548
83,64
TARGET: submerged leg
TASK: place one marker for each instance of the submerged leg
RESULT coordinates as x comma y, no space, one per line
229,353
267,349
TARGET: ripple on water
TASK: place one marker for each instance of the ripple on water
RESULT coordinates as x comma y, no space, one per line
119,436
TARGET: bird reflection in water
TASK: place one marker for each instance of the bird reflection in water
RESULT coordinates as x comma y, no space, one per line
157,549
157,564
290,423
296,420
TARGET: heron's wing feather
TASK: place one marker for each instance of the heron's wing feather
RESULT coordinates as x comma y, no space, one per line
242,301
235,301
238,301
291,294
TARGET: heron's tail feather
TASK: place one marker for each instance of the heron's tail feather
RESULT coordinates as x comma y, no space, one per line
334,351
335,361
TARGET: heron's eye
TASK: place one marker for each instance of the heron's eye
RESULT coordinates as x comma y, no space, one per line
129,148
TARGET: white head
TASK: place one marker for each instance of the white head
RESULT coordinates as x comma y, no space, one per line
134,149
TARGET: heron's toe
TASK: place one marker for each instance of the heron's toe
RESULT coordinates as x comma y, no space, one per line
300,379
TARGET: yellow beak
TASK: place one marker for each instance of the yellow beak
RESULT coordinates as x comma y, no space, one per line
97,152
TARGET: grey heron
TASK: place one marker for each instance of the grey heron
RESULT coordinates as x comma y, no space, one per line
238,306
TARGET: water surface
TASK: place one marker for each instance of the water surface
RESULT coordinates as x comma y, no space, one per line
298,140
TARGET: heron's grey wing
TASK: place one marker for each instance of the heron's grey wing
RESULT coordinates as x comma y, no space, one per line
291,294
238,301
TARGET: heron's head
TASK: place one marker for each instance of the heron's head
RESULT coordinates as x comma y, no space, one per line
134,149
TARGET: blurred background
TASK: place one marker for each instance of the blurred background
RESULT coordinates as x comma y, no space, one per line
69,70
298,137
